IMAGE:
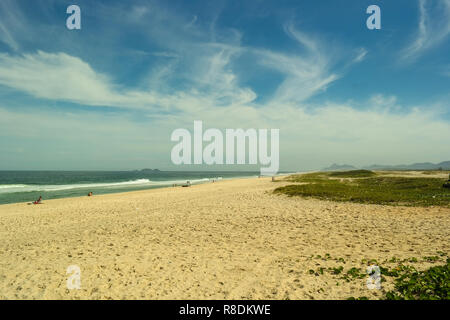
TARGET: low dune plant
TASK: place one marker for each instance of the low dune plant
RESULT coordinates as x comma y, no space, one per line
430,284
363,186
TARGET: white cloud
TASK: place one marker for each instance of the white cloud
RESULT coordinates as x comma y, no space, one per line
207,68
305,74
433,29
309,72
304,77
310,138
78,140
58,76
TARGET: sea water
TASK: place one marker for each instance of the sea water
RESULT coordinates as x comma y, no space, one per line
27,186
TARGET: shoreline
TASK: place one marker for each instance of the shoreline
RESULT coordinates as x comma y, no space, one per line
120,193
151,187
143,188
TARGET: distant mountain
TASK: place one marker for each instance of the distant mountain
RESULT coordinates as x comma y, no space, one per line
445,165
150,170
339,167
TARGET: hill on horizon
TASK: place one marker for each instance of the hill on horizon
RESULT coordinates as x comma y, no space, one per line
444,165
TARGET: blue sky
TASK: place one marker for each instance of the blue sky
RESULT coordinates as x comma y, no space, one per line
109,95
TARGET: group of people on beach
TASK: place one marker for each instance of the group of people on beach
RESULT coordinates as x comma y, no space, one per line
39,201
90,194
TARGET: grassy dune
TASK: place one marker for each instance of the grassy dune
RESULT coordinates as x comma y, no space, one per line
364,186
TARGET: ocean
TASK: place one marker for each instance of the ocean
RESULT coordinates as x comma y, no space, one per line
27,186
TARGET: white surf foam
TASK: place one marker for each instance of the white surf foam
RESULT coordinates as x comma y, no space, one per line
13,188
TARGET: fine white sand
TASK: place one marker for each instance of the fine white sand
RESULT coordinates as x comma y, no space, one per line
231,239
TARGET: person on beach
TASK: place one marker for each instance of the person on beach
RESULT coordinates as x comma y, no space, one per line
188,184
90,194
38,201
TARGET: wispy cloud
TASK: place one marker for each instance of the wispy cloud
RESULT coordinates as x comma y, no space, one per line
11,21
309,72
433,29
7,38
361,54
206,68
304,74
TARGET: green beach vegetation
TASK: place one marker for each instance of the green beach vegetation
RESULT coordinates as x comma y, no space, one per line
430,284
409,283
365,186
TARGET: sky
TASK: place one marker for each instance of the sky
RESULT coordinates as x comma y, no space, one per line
108,96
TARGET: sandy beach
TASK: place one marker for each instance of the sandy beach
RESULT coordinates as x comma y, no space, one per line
233,239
